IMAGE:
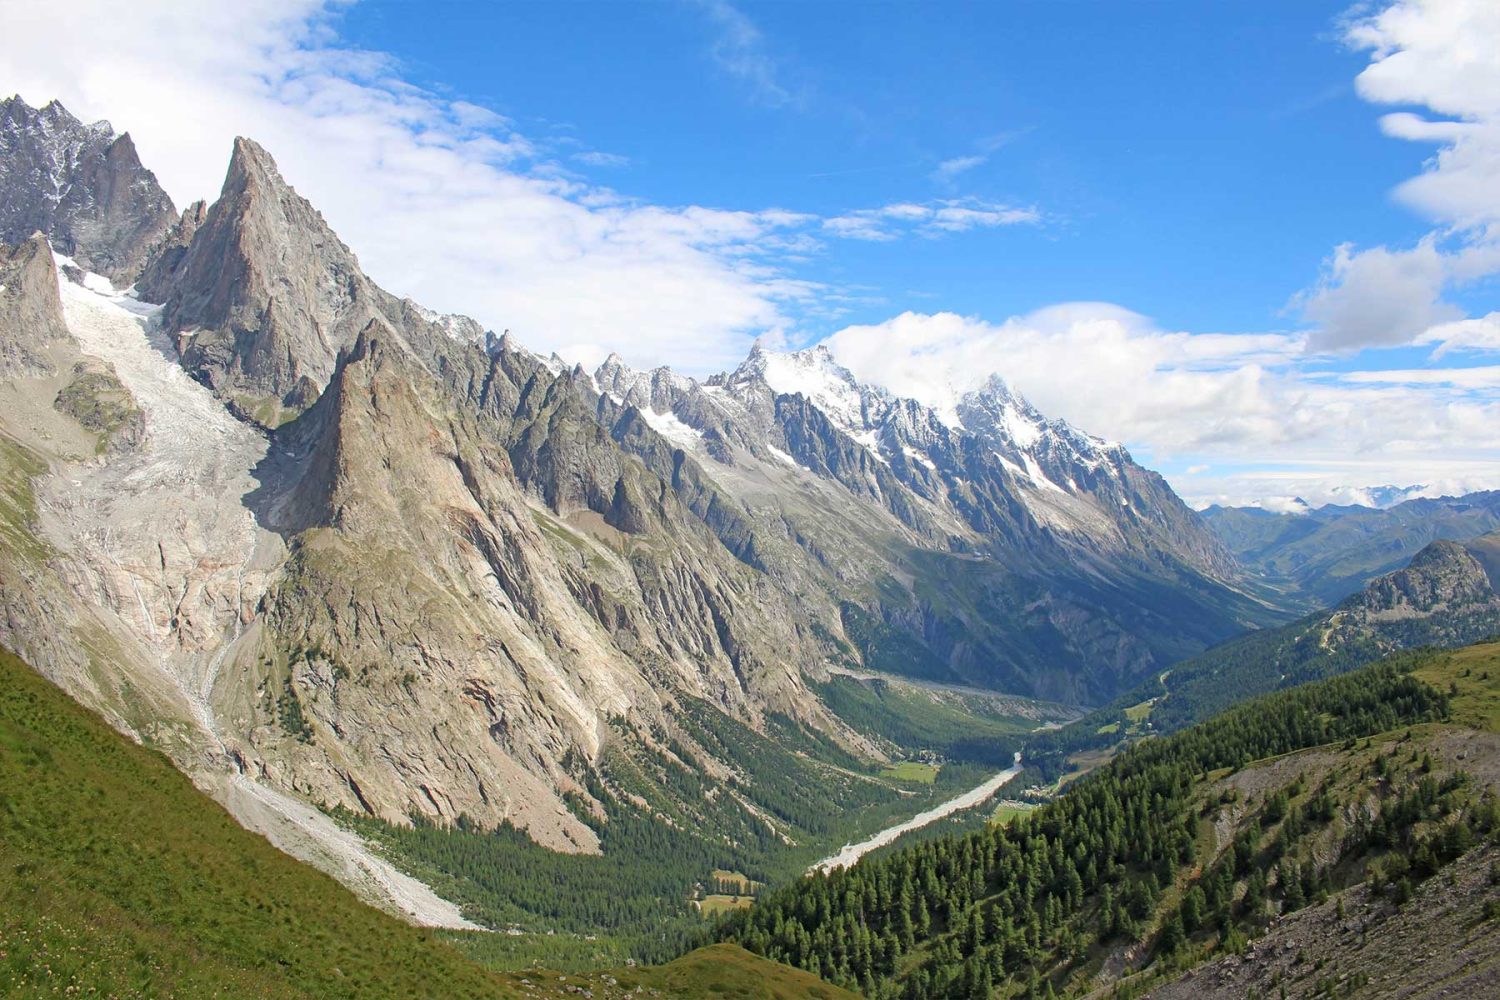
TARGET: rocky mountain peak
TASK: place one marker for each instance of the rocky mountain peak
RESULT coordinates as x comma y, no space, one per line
1443,576
261,295
253,173
82,186
998,411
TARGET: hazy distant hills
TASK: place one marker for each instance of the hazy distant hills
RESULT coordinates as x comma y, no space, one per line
1321,555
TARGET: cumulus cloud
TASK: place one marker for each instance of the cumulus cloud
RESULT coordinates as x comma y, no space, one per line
1444,56
1378,297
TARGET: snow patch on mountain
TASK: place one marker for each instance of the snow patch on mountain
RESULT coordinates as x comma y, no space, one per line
789,460
1037,476
819,379
669,426
1023,430
918,457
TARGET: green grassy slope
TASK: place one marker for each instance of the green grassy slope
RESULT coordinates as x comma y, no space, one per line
721,970
123,879
119,878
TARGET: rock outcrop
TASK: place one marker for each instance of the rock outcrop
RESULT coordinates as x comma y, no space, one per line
81,185
31,316
1442,597
263,295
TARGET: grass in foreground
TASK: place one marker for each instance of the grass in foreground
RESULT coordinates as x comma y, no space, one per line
123,879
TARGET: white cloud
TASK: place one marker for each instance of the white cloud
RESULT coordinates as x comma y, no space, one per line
1481,333
949,169
1296,490
740,50
1378,296
1478,377
935,218
594,158
1444,56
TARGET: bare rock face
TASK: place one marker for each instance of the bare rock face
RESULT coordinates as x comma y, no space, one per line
154,283
260,295
31,316
450,638
82,186
1442,579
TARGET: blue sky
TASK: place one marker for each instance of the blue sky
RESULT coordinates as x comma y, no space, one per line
1258,243
1194,162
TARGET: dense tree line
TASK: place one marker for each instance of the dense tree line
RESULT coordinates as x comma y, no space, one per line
962,916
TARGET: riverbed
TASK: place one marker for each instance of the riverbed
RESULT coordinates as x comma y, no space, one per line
853,852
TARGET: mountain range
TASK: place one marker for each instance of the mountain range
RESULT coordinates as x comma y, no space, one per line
323,546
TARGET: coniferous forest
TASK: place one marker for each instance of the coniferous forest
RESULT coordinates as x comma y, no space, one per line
1012,909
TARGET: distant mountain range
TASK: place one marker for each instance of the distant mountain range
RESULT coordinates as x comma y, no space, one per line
1446,596
1322,555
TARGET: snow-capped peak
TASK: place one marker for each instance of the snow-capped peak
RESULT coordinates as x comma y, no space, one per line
997,410
815,375
460,328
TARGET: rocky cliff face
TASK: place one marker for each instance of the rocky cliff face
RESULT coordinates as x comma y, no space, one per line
260,295
1444,591
31,317
82,186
